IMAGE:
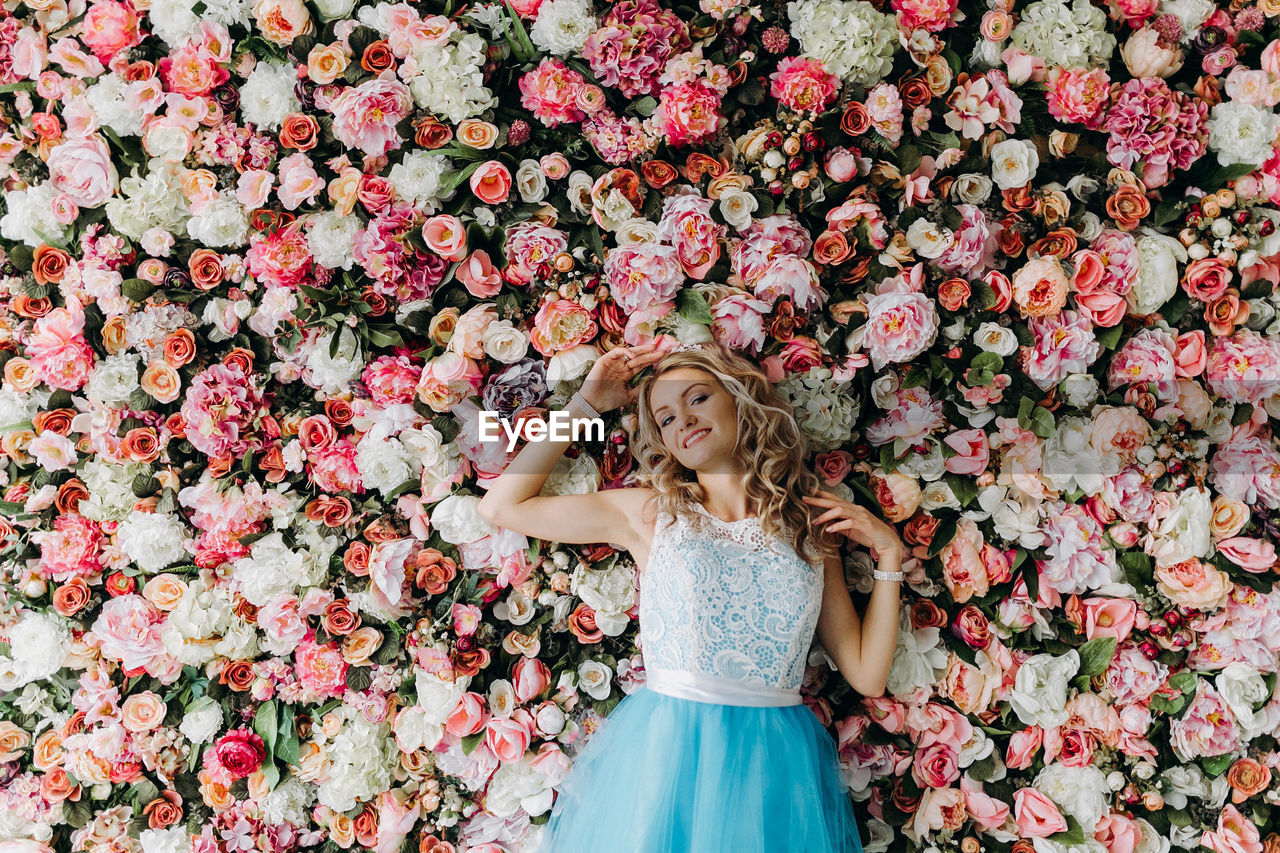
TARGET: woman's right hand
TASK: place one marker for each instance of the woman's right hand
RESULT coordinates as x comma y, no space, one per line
607,384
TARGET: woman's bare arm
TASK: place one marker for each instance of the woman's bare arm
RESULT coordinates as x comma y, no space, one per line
862,649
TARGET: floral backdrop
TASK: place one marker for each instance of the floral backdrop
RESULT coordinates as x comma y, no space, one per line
1013,264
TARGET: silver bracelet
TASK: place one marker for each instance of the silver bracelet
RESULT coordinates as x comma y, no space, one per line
887,576
582,401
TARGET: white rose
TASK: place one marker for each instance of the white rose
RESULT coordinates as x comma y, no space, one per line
504,342
530,181
202,721
332,10
579,192
1242,688
972,188
929,240
1039,695
1184,532
1013,163
502,698
1080,389
1158,276
595,678
456,520
992,337
937,495
1151,840
884,389
736,206
635,231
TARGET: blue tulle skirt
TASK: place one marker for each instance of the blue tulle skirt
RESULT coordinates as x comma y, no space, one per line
664,774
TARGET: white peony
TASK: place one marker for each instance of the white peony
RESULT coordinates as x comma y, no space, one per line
438,697
383,462
517,786
1242,133
1081,792
1080,389
332,374
992,337
609,592
331,239
202,721
267,95
1158,258
1184,532
1039,695
156,200
107,100
417,179
221,222
1070,462
918,660
153,540
853,40
563,26
273,569
456,520
1242,688
38,644
927,239
113,379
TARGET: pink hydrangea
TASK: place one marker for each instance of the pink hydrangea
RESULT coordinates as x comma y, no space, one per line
1244,368
1064,344
1078,95
688,112
803,85
192,70
687,224
633,44
399,268
550,92
221,405
1157,127
641,273
365,116
900,326
619,140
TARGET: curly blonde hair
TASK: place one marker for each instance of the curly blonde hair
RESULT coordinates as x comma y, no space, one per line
770,442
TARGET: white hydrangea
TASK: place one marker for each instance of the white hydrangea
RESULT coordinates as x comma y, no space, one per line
153,540
220,223
360,760
1073,36
113,379
110,486
154,200
267,95
1242,133
332,374
383,462
29,218
450,82
205,626
38,645
563,26
17,408
416,179
853,40
106,98
273,568
1191,14
824,408
331,239
172,839
290,802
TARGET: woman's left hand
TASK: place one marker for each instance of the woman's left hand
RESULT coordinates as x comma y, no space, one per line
857,523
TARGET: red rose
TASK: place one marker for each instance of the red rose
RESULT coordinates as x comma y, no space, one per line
241,751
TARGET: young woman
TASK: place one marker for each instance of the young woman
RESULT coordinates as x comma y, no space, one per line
715,752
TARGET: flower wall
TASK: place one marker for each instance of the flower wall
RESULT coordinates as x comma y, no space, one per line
264,261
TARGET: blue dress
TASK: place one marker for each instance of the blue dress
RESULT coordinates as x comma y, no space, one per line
715,753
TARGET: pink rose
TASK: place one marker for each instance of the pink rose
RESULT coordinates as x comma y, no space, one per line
446,236
971,449
1109,617
936,766
81,168
1235,834
479,276
1190,357
253,186
491,183
1251,554
241,752
281,620
962,568
468,716
1036,814
986,811
1023,747
1118,833
509,738
530,677
299,182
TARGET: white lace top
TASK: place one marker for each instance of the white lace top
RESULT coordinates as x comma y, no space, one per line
721,604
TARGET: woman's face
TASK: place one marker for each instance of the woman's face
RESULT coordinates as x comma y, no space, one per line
696,417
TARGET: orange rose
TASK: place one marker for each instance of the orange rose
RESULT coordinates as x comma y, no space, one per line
143,712
1247,778
377,57
165,810
1040,287
164,591
31,307
430,132
13,741
141,444
50,264
954,294
71,597
48,752
360,644
55,785
477,133
114,335
658,173
1128,207
830,248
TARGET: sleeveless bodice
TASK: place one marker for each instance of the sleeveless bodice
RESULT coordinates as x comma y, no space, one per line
727,614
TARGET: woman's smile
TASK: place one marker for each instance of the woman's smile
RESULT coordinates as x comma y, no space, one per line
696,437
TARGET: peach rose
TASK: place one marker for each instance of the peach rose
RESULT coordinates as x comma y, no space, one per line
13,741
446,236
899,495
1109,617
477,133
1193,584
143,712
962,568
1229,517
164,591
161,381
1119,430
282,21
1040,287
1036,814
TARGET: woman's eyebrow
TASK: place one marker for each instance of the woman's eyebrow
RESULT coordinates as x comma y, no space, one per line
682,396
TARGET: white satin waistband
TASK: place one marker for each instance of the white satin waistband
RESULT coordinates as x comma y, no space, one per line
702,687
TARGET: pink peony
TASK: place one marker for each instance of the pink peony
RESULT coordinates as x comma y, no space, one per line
529,246
900,326
82,168
737,321
60,355
1235,833
1207,728
108,28
1077,95
931,15
803,85
321,669
72,549
687,225
641,273
550,92
365,116
1244,368
688,113
128,628
1064,344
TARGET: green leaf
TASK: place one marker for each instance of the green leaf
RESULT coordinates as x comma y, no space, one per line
470,742
1096,655
964,488
1218,764
1109,337
265,723
644,106
1073,835
137,289
942,536
691,305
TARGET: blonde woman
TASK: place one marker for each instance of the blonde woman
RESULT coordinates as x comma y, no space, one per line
716,751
